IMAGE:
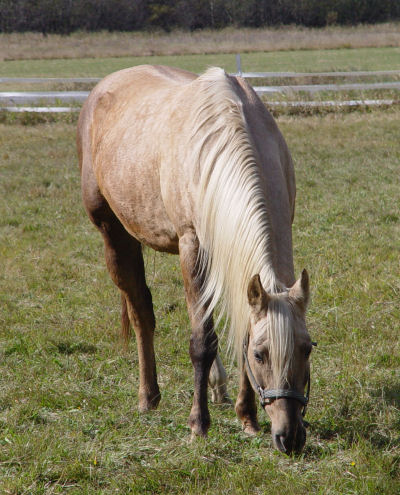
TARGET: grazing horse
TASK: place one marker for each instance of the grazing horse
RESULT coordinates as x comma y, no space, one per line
196,166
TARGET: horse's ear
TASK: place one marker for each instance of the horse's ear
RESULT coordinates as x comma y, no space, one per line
300,291
256,294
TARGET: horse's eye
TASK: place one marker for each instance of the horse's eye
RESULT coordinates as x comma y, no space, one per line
258,357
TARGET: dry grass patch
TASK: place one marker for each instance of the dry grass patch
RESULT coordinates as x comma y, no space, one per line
17,46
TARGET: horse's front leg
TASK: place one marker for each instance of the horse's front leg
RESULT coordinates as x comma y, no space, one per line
203,342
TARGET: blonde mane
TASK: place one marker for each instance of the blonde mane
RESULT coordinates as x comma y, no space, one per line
233,220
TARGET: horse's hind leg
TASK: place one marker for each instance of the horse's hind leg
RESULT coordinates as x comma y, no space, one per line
217,381
124,261
245,407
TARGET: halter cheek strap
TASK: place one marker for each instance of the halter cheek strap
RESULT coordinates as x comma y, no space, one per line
268,396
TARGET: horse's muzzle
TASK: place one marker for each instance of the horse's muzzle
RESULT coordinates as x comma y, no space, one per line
289,440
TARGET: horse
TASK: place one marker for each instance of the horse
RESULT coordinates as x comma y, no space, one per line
196,166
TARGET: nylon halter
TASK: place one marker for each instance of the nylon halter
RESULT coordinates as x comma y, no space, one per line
268,396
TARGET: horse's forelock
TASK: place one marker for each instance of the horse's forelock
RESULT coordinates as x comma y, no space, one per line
275,331
280,338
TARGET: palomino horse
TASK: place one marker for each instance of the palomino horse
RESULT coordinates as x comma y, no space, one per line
196,166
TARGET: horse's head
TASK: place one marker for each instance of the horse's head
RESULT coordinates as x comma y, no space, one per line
277,358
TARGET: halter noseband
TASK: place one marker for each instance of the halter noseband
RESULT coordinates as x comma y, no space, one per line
268,396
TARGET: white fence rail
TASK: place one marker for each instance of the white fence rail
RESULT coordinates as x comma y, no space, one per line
40,109
36,97
286,104
20,97
318,88
41,80
246,75
354,74
327,103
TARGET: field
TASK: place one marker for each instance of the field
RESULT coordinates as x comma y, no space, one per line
351,59
17,46
68,403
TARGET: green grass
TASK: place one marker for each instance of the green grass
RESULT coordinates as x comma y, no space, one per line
387,58
68,404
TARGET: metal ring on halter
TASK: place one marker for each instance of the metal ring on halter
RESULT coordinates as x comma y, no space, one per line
268,396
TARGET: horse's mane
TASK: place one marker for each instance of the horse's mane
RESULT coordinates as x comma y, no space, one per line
233,224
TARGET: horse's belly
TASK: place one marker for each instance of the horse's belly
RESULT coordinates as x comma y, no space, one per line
134,196
159,235
160,240
145,218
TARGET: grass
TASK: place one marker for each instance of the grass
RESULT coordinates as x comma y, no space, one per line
68,402
22,46
386,58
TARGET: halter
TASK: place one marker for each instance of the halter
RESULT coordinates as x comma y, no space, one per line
268,396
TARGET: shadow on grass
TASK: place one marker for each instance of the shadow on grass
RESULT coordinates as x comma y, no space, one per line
388,393
74,348
354,417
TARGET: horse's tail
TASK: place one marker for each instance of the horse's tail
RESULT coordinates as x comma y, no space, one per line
126,331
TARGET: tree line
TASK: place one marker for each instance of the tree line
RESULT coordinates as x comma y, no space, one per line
65,16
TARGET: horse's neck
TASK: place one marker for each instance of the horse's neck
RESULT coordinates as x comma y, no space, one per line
278,183
280,272
277,274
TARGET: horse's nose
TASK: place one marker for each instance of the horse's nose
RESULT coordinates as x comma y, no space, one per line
290,442
283,442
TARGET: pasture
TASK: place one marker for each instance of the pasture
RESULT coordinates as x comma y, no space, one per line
23,46
68,419
68,392
383,58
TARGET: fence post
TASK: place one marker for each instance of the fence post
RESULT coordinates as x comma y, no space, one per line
238,65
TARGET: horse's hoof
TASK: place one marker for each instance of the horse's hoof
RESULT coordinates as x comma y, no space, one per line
251,430
219,395
199,428
149,404
227,400
221,399
199,431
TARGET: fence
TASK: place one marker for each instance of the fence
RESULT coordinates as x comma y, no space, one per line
9,101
